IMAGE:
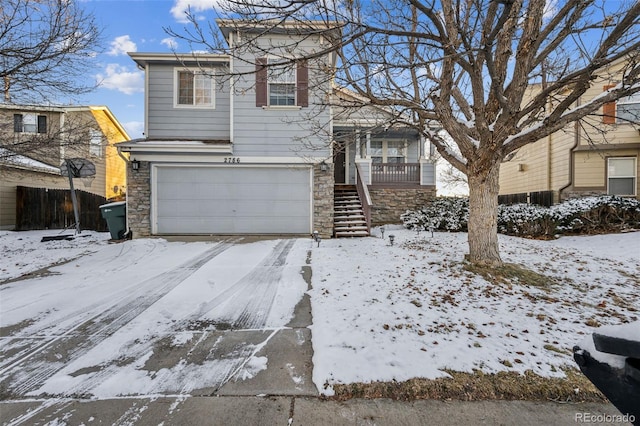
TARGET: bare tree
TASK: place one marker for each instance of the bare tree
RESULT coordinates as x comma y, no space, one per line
470,65
46,47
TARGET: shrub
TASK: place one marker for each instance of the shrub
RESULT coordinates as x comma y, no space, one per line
586,215
442,214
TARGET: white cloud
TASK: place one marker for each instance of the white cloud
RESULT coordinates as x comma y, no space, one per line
180,7
135,129
121,45
170,42
120,78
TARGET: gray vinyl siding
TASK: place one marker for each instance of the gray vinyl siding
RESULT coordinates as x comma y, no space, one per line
164,121
285,132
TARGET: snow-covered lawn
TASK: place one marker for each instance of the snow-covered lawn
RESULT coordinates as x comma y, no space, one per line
385,312
380,312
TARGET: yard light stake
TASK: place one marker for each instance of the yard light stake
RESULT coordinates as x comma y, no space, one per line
391,238
318,240
382,231
316,235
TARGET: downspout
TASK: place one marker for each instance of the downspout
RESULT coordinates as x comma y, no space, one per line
576,142
127,161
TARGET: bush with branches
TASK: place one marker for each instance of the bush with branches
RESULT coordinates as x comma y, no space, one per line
588,215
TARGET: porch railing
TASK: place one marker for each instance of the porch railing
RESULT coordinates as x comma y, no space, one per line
395,173
365,198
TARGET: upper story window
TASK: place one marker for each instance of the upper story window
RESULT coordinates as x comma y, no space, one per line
284,85
624,110
95,143
628,109
194,89
621,176
281,84
29,123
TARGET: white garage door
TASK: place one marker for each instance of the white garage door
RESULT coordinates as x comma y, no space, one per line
232,200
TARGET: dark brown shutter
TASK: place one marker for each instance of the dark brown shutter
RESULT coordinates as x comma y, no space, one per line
17,123
261,82
302,84
42,124
609,109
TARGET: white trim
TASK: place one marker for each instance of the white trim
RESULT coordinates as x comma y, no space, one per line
146,100
196,71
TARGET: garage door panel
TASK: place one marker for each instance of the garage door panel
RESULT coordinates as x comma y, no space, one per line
197,200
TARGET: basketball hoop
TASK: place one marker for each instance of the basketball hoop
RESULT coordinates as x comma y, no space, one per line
77,168
87,181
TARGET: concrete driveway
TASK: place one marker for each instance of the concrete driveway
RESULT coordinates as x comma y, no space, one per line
215,333
148,318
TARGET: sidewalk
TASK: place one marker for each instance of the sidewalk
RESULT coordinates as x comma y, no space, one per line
282,410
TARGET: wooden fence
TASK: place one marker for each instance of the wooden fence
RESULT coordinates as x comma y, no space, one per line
541,198
42,208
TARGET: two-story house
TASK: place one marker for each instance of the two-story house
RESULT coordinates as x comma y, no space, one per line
596,156
36,139
244,143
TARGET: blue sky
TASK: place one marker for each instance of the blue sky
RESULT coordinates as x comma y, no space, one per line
133,26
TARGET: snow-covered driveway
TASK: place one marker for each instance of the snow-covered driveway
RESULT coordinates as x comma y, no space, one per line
147,317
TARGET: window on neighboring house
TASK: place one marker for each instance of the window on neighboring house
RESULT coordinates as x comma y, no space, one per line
29,123
281,85
628,109
95,143
621,176
194,88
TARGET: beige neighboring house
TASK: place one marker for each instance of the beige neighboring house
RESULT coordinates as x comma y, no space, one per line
35,140
600,156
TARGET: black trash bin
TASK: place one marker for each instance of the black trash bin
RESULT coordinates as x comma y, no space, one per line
116,216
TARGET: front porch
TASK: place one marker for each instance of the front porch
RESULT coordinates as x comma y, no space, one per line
389,170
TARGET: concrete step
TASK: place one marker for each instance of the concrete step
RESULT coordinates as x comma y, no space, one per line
352,234
342,229
348,212
358,217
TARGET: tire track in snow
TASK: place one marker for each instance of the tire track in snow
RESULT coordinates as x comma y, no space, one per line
29,372
254,294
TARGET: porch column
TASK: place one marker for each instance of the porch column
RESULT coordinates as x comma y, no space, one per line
368,144
357,138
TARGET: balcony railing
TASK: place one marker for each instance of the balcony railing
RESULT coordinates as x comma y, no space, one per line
395,173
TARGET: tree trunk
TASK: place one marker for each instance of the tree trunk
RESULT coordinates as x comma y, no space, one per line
483,216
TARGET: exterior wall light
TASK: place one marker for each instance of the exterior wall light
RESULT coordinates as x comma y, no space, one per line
324,166
135,165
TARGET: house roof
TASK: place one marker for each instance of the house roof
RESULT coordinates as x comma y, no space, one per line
329,29
144,145
18,161
194,58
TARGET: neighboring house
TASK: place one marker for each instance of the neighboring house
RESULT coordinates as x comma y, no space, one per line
35,140
599,156
238,145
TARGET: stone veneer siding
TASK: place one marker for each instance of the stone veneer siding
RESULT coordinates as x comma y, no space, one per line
139,200
323,186
390,203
